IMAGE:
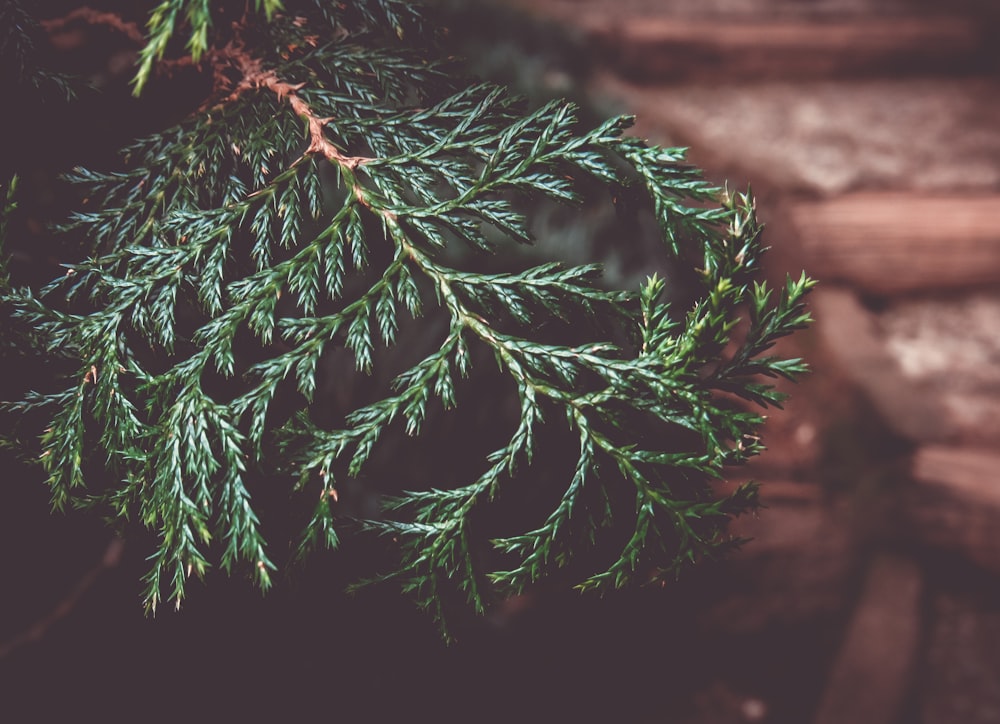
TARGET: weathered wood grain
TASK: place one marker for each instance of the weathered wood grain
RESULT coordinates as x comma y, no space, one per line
894,243
954,504
690,49
870,676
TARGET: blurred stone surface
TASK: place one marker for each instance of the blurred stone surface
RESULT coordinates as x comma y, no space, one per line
929,366
828,137
853,339
951,347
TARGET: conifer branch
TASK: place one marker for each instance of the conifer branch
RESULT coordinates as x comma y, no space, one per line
325,202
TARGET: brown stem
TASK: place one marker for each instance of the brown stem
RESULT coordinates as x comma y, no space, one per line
254,76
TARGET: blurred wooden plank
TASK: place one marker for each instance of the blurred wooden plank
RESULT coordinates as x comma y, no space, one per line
871,674
657,42
967,472
664,48
955,502
893,243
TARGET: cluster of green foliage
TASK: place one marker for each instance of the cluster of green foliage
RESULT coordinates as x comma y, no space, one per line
339,190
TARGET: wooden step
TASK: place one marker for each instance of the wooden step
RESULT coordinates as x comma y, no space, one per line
893,243
654,43
691,49
954,504
969,473
871,674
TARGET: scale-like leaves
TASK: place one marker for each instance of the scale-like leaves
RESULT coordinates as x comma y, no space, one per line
288,224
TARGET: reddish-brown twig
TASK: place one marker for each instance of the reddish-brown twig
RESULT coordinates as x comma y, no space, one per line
255,76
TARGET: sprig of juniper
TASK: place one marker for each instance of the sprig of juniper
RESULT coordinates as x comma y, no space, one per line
314,205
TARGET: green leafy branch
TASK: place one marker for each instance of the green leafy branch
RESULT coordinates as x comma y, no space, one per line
329,199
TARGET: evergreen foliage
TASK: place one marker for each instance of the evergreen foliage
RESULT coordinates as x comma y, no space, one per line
337,195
